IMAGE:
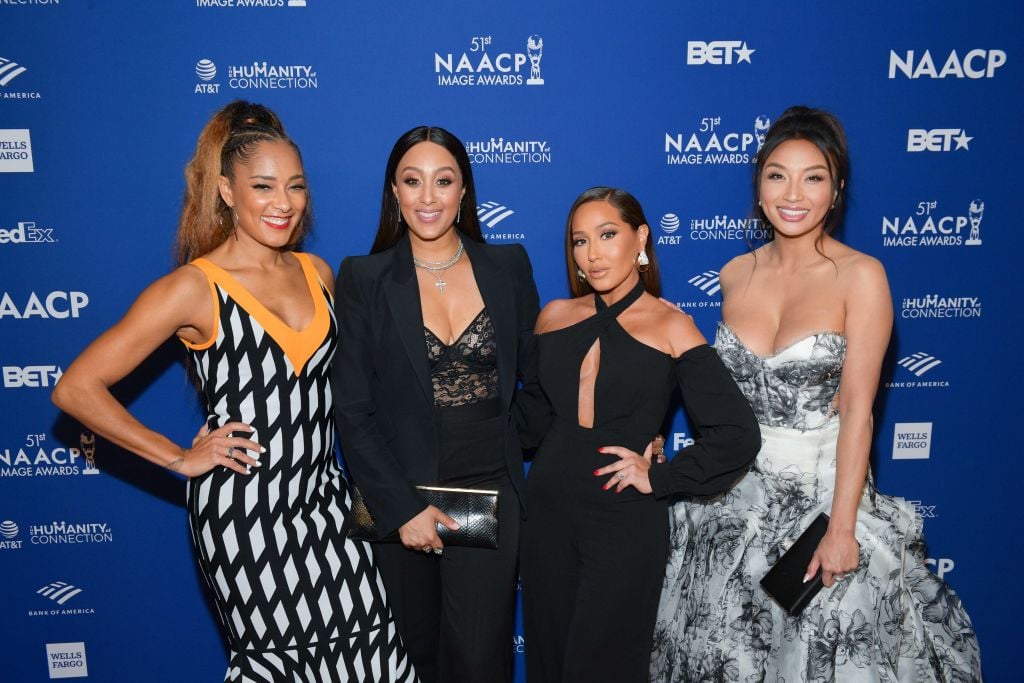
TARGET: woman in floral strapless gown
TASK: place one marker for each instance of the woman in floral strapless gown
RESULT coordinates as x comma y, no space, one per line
807,324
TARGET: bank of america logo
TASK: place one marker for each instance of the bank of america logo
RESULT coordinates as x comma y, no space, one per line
8,529
10,70
670,223
706,282
919,363
492,213
206,70
59,591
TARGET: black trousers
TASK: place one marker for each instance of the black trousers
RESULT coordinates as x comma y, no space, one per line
592,566
455,612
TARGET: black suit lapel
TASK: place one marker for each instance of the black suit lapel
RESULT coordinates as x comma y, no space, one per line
496,290
402,292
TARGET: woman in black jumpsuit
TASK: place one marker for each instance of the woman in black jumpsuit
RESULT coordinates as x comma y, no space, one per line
595,546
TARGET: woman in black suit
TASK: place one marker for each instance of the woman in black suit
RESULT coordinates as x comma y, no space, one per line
433,325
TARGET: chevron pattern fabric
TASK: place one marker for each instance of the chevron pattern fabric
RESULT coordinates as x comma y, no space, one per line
299,601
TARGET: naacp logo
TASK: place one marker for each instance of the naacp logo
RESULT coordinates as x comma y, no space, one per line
481,66
942,565
490,215
974,64
245,4
9,535
912,441
935,306
10,70
918,364
16,151
31,376
717,52
712,143
27,232
930,227
58,304
938,140
707,283
502,151
37,458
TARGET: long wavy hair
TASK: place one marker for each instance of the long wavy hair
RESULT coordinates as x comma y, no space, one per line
632,214
391,228
229,137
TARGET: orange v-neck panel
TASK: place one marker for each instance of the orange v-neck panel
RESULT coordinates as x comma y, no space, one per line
216,310
298,345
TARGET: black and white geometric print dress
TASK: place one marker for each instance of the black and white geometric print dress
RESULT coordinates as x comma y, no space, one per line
890,620
298,600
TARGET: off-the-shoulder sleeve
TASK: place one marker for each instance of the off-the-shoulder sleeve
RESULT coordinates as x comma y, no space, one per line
728,437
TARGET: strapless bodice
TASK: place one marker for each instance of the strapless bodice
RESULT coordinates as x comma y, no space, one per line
794,387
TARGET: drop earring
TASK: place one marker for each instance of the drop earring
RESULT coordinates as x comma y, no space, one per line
580,275
642,262
458,216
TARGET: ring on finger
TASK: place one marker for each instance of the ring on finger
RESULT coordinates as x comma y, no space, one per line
620,476
427,549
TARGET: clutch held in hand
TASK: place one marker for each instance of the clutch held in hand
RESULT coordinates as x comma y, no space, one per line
784,582
476,511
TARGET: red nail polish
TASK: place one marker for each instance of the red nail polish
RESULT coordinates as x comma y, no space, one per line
596,472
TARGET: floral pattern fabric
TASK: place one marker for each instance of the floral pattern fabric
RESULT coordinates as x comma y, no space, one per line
890,620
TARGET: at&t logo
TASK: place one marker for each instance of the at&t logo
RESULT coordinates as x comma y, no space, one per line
717,52
928,227
27,232
9,535
712,143
206,70
669,224
479,66
974,64
937,139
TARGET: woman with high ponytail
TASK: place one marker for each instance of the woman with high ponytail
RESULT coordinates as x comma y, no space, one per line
267,501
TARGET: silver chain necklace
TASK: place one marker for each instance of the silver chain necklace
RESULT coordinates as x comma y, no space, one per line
438,268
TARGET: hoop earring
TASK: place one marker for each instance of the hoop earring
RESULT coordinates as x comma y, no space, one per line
580,275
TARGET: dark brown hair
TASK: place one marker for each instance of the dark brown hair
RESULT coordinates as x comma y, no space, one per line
228,138
632,214
390,229
822,130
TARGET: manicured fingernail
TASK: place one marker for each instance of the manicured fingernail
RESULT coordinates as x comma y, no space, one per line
262,449
257,464
601,449
807,577
597,473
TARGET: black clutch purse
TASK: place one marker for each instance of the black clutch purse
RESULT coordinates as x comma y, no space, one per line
785,581
476,511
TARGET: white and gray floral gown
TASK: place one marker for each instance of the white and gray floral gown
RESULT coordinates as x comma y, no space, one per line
890,620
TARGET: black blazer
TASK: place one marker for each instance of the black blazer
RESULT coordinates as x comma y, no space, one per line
383,394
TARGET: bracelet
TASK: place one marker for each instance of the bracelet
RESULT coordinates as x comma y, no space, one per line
175,464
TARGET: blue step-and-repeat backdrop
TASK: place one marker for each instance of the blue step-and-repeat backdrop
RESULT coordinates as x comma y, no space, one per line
100,106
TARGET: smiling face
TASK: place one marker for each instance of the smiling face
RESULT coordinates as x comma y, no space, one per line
605,247
267,194
796,189
429,189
